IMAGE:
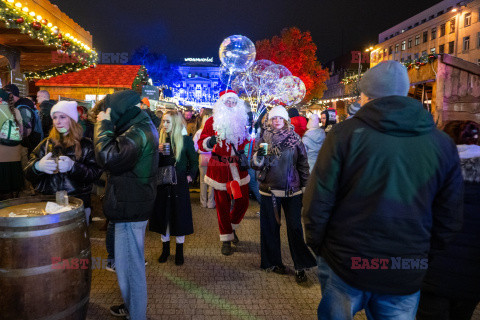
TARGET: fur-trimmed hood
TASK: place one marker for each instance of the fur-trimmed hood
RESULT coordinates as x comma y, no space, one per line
470,162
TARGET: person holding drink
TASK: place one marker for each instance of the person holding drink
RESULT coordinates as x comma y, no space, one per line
65,160
281,158
173,212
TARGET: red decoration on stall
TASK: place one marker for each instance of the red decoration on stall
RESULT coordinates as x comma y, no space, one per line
36,25
19,20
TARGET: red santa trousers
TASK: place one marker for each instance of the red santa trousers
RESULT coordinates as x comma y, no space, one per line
228,218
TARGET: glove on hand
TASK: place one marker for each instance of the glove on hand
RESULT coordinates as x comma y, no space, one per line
212,142
46,164
65,164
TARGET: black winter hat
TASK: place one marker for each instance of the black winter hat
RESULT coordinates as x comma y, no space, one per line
123,105
13,89
293,112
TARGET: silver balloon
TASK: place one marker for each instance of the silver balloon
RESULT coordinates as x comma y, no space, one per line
237,53
290,90
226,75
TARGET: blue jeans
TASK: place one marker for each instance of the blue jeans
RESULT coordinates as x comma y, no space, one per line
253,184
110,241
130,266
341,301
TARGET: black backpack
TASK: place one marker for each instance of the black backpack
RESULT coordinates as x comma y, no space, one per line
36,135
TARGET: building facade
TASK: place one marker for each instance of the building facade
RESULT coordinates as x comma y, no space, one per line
448,27
200,84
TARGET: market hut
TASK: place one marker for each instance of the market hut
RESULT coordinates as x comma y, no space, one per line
38,41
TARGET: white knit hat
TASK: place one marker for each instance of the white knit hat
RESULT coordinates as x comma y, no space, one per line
278,111
67,107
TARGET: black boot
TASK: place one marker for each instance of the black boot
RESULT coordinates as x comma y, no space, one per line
179,254
227,248
165,252
235,238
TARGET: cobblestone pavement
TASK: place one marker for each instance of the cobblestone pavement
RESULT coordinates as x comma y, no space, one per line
209,285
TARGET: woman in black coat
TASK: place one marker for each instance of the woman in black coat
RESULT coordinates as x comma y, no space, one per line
173,212
451,287
283,175
64,160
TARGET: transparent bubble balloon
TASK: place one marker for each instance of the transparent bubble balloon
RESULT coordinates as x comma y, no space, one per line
237,53
269,77
282,70
226,75
290,90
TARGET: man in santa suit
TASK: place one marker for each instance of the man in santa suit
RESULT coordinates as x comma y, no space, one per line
222,133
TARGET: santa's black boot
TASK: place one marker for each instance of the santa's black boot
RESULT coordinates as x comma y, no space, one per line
227,248
179,254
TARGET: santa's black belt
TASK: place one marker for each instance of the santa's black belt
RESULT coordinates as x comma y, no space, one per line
225,159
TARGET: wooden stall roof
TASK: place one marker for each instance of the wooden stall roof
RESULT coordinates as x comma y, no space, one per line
103,76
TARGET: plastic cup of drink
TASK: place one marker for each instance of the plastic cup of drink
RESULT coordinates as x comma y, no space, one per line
264,146
166,148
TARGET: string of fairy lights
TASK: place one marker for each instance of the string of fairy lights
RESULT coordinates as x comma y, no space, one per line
17,16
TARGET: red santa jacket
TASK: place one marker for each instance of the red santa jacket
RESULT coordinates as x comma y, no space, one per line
222,168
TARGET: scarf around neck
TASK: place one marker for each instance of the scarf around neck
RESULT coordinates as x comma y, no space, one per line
280,140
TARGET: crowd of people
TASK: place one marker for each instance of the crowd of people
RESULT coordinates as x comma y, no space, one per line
389,202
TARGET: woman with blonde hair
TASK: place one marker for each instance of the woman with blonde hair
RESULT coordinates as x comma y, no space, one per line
207,199
173,212
65,160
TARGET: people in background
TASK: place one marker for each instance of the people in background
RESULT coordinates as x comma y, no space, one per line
386,189
328,118
172,215
207,199
45,104
11,129
313,140
65,160
283,176
297,121
191,122
451,288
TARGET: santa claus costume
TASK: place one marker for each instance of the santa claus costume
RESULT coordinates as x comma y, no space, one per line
222,134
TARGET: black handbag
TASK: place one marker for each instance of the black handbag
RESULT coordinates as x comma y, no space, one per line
243,164
166,175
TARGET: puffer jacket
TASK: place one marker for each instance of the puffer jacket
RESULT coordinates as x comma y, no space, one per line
284,175
387,184
454,272
127,148
313,140
77,182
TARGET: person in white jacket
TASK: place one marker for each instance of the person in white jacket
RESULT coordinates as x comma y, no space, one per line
207,199
313,139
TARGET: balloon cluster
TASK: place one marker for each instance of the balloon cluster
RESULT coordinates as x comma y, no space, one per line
263,80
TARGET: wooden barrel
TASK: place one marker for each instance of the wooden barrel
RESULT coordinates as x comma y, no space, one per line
42,262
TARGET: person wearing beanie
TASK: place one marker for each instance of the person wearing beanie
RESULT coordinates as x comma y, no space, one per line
313,139
145,106
45,104
328,118
352,109
451,288
284,172
225,135
298,122
126,146
384,197
65,160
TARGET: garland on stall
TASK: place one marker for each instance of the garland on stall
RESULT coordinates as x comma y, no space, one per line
16,16
140,79
351,79
423,60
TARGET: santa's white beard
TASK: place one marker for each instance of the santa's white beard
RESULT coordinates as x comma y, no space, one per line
230,123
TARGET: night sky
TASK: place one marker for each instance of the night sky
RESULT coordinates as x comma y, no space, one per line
195,28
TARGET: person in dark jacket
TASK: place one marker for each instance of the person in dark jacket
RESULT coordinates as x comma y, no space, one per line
145,106
386,190
126,146
284,174
451,288
86,124
45,105
64,160
298,122
328,118
173,211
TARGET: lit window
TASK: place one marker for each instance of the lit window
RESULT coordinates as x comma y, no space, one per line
404,43
396,48
433,50
417,40
466,43
468,19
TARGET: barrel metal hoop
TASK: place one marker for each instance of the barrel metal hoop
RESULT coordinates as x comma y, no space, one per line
40,233
35,271
63,314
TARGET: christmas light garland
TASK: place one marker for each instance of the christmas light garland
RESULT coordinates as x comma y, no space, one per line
16,16
423,60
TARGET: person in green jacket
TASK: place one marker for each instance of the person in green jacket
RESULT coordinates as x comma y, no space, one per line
173,212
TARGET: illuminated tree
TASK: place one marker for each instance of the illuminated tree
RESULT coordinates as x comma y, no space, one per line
295,50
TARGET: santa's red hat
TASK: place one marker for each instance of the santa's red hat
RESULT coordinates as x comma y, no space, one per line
225,92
